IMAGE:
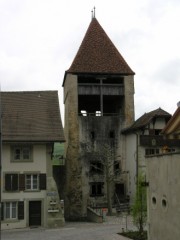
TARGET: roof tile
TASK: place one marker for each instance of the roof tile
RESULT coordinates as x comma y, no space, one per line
97,54
31,116
146,119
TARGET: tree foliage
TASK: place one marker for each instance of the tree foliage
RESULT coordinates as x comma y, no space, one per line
139,208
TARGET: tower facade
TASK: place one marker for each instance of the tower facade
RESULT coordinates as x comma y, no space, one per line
99,102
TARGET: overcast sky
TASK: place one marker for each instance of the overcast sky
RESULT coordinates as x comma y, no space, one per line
39,40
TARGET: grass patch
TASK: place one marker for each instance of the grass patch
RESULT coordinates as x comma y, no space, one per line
135,235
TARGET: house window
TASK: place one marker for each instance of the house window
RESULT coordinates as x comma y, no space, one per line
11,182
21,153
32,182
96,189
96,167
151,151
10,210
157,131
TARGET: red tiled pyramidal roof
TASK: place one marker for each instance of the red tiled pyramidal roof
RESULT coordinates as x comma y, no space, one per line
97,54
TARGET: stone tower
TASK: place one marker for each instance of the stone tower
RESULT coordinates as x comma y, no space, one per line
99,102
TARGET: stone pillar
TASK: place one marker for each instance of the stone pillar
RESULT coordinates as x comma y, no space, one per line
73,193
129,100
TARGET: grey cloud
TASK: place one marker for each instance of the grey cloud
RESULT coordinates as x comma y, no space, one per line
169,73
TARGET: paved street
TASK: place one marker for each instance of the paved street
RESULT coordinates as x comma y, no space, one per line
76,231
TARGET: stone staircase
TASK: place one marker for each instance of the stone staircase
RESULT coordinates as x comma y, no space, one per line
122,205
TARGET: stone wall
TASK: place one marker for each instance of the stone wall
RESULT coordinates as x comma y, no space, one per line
73,193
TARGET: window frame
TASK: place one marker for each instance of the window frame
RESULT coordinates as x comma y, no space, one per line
96,185
11,182
10,217
31,182
18,153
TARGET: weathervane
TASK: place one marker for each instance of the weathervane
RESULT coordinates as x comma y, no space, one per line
93,13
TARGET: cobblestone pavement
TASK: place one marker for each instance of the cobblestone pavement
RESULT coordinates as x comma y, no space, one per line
74,230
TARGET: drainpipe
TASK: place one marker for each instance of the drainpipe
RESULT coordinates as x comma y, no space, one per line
137,158
101,97
0,158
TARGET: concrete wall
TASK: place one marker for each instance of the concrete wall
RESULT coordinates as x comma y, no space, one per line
164,196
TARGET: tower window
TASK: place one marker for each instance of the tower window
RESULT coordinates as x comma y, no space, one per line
117,167
112,134
83,112
92,135
96,189
98,113
96,167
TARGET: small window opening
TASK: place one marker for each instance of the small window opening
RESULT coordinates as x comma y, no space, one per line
164,203
117,167
96,167
92,135
98,113
157,131
96,189
112,134
154,200
83,112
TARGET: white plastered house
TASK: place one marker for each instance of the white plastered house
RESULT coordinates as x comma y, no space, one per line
143,139
31,124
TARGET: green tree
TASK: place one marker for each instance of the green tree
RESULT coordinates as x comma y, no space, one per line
139,208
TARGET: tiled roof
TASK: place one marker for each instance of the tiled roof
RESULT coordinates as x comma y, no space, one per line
31,116
146,118
97,54
173,125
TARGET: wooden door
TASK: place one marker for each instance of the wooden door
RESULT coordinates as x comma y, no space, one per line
35,213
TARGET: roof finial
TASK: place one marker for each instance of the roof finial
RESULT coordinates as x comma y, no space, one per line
93,13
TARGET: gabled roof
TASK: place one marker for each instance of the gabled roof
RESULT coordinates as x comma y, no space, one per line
97,54
173,126
31,116
146,118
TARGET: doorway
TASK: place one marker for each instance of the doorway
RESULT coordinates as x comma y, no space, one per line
34,213
120,190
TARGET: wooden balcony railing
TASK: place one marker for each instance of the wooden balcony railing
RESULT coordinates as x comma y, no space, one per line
158,140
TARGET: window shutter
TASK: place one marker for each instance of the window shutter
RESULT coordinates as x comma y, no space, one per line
7,182
11,182
14,182
21,182
2,211
20,210
42,181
